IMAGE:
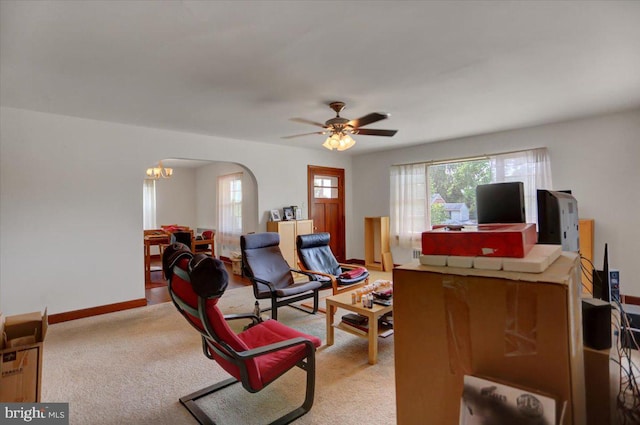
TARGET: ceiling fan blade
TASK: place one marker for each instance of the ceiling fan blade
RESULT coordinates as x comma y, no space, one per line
305,134
306,121
375,132
368,119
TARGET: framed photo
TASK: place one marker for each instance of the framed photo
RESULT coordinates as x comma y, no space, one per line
298,213
288,213
275,215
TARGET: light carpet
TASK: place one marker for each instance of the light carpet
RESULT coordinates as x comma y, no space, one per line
133,366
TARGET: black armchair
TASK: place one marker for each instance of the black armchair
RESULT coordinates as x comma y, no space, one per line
315,256
272,277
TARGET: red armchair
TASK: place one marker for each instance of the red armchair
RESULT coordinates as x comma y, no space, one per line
255,357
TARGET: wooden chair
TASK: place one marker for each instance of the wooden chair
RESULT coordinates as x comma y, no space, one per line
205,244
315,256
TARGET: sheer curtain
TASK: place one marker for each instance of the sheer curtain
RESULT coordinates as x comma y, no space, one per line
532,167
149,204
229,213
409,212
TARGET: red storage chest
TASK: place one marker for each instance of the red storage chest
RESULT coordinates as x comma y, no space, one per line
484,240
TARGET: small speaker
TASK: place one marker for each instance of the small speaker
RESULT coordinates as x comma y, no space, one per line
596,323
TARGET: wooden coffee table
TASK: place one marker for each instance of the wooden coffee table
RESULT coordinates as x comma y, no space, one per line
373,314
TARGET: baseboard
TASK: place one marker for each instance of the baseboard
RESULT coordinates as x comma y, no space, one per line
355,261
95,311
628,299
361,262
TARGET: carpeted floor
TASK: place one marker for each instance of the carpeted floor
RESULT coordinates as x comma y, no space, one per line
132,366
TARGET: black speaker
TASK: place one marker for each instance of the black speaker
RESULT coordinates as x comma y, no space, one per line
596,323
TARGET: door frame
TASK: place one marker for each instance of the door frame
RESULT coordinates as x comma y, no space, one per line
313,170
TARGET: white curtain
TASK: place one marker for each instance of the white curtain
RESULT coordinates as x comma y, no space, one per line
532,167
149,204
229,214
409,209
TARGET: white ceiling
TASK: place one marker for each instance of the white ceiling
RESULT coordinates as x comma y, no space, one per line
243,69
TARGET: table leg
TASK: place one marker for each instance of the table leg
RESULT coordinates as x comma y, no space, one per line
147,263
373,340
330,314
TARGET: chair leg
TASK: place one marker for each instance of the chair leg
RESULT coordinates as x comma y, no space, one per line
274,308
316,301
310,368
189,401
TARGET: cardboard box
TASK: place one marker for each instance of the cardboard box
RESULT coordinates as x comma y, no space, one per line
485,240
21,351
521,328
236,266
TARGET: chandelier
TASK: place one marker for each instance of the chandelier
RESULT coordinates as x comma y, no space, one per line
339,140
155,173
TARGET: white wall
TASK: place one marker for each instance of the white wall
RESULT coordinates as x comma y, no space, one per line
71,202
597,158
176,199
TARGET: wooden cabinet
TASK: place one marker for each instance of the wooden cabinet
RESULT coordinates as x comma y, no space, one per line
288,231
377,254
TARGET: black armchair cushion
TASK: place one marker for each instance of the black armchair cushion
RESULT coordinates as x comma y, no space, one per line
263,260
315,253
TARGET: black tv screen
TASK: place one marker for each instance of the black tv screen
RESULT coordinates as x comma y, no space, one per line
500,203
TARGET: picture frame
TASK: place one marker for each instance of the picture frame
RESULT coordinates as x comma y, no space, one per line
297,212
275,215
287,212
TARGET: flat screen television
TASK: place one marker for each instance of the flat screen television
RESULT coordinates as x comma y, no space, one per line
500,203
558,219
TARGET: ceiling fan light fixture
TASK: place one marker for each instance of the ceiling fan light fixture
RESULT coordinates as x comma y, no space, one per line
346,142
339,141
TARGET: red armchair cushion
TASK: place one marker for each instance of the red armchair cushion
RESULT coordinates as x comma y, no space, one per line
274,364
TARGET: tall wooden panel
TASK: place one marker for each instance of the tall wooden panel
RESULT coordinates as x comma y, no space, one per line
377,254
585,227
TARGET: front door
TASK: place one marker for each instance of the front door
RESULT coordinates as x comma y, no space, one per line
326,205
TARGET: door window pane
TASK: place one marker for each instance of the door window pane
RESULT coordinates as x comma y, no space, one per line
325,187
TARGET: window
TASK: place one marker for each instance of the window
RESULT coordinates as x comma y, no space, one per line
149,204
229,213
325,187
428,194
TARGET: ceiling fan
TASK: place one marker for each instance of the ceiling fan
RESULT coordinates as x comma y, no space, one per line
340,129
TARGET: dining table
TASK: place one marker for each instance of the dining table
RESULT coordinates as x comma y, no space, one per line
154,239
